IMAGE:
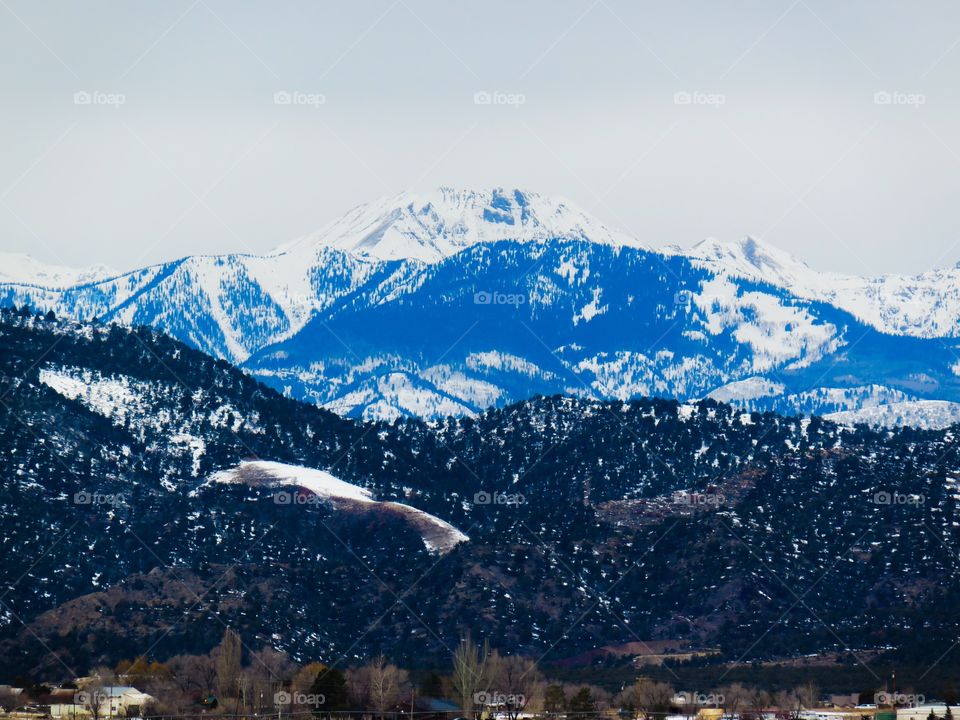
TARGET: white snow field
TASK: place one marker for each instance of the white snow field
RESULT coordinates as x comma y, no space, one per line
438,535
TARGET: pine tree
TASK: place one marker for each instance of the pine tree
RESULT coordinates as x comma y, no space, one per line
582,704
332,685
228,656
554,700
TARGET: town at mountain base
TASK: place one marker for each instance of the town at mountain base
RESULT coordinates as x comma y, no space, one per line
473,680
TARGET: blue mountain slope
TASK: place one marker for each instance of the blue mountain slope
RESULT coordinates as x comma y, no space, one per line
586,319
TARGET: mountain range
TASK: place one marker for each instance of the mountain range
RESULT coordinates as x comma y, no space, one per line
455,301
151,495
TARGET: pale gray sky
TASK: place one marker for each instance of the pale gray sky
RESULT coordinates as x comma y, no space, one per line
782,138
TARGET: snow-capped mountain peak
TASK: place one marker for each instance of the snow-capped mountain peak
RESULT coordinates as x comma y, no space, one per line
434,225
749,257
23,269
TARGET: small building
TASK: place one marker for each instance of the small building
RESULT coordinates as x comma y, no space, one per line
116,701
68,710
124,701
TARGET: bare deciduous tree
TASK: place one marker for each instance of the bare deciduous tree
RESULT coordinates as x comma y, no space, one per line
95,696
802,697
301,683
193,673
735,696
91,699
387,684
647,696
470,673
517,680
758,701
808,695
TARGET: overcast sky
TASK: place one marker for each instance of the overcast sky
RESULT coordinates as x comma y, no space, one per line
673,121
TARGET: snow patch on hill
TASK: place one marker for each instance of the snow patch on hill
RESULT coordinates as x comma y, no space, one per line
320,483
776,331
438,535
929,414
129,401
110,397
747,389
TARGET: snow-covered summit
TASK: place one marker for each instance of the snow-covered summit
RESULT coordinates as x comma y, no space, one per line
434,225
22,269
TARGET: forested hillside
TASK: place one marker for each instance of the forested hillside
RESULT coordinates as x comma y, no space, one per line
589,523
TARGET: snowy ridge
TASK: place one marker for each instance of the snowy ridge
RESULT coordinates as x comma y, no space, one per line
748,258
438,535
22,269
925,305
876,405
